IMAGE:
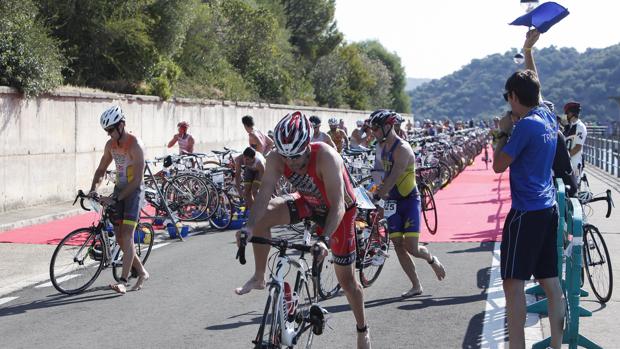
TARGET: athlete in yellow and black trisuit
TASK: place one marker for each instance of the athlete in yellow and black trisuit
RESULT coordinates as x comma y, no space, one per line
402,208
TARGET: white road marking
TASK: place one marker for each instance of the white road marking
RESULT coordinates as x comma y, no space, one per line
61,279
160,245
7,299
494,332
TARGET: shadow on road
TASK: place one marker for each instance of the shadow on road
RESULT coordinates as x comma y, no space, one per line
60,300
255,320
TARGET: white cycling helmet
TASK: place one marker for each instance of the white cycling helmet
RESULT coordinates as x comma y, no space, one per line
332,122
111,117
293,134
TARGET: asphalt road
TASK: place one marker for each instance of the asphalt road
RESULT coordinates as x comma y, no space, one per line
189,303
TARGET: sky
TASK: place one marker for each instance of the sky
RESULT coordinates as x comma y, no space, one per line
434,38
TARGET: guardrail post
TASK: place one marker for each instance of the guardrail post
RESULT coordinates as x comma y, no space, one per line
607,151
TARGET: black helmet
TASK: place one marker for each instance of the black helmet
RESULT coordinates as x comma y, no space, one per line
315,120
383,117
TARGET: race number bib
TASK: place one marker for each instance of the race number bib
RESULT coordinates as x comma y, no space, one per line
389,208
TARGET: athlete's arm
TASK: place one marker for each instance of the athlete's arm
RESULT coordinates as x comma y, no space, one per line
238,173
267,187
268,144
331,168
346,139
501,160
402,155
329,140
254,140
106,160
173,141
260,170
137,154
190,144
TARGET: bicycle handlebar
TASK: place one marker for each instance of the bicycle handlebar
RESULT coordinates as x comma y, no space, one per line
80,195
610,201
280,244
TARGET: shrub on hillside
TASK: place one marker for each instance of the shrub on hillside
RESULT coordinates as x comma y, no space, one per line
30,59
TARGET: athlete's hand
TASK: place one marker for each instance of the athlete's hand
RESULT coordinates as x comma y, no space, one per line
248,234
106,200
505,123
530,38
324,250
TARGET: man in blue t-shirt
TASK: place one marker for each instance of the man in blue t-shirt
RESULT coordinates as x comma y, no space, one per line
529,237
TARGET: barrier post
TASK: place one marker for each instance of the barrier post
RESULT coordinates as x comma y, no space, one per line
573,282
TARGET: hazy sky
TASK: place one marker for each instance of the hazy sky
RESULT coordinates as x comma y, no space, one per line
435,38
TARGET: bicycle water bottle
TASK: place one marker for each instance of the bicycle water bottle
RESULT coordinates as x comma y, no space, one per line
109,228
288,299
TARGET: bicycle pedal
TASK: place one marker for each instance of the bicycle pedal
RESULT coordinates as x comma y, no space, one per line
317,319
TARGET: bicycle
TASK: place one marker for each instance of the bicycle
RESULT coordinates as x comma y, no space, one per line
372,245
80,256
597,264
292,316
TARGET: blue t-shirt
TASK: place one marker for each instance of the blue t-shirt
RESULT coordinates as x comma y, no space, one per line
532,149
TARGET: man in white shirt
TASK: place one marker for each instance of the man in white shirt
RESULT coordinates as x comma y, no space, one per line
575,133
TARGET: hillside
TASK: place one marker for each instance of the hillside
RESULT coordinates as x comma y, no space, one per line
413,83
475,91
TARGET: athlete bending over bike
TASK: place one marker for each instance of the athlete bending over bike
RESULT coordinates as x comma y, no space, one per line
325,195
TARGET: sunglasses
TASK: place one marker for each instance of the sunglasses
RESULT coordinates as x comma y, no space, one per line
109,129
505,94
375,127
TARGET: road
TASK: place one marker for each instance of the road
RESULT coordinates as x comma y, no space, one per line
189,303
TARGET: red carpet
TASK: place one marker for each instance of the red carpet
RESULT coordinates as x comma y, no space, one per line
48,233
470,209
473,207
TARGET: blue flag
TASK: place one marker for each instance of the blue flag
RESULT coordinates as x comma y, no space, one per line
542,17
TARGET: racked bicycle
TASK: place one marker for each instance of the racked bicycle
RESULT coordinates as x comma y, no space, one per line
292,315
80,256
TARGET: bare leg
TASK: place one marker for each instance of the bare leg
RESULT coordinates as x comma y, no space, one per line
515,312
408,267
556,309
412,246
277,214
247,195
355,295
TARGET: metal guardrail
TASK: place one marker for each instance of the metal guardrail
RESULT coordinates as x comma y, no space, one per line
603,153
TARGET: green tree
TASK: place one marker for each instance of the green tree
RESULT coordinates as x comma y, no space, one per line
30,59
313,30
400,100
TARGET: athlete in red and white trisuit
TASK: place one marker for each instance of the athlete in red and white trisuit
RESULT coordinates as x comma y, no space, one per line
325,195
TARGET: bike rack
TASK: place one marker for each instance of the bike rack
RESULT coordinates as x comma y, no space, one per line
170,215
571,283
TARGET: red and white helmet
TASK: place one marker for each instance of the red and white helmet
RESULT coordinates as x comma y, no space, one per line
293,134
111,116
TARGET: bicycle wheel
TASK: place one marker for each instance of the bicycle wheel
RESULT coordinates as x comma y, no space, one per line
223,215
597,263
144,235
268,335
189,195
77,261
429,210
328,285
372,253
304,302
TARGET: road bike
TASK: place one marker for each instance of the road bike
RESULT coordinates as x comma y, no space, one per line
597,266
292,315
372,244
80,256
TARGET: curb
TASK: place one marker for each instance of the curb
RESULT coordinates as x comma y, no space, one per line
39,220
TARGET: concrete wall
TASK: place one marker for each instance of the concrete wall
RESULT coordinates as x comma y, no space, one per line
51,145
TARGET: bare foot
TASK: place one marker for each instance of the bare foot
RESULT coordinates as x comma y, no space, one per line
140,281
119,288
363,340
252,284
438,268
414,291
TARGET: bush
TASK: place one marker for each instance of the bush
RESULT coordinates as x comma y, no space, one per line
30,59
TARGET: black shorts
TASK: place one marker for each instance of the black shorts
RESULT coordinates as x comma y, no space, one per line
127,211
529,244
